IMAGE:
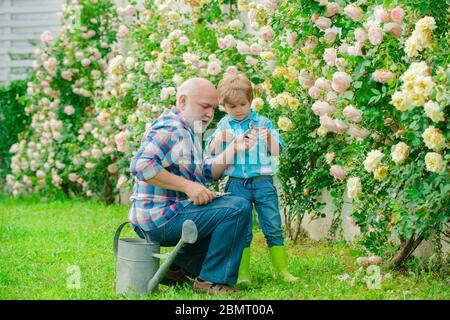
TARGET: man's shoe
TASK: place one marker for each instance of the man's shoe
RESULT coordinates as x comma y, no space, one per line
175,277
212,288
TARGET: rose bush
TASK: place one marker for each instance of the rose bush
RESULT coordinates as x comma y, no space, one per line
358,90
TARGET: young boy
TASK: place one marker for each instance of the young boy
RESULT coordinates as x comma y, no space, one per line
250,176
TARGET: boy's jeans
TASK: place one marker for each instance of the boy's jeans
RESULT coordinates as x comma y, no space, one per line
261,192
221,227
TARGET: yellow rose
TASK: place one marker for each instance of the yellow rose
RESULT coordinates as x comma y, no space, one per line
257,104
399,101
293,103
434,162
284,123
279,72
426,24
433,138
399,152
322,132
380,172
267,55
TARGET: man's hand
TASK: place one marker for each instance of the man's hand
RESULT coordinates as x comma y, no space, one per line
198,193
226,136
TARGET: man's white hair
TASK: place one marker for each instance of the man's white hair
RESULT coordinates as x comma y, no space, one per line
189,86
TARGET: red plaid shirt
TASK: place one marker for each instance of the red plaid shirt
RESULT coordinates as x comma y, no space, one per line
171,144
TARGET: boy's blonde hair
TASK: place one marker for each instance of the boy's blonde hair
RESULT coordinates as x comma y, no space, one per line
230,86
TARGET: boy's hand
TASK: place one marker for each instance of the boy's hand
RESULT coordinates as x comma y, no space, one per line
264,134
244,142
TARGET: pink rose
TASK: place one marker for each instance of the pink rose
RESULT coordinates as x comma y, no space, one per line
328,123
329,56
121,140
148,67
305,79
338,172
46,37
343,47
221,43
69,110
122,32
165,44
341,81
380,14
112,168
382,76
183,40
50,65
214,68
255,48
360,35
73,177
357,131
331,96
354,50
251,61
66,75
332,9
291,38
352,113
331,34
314,92
85,62
353,11
267,33
322,84
394,28
341,127
310,43
375,35
231,70
229,41
397,14
322,108
322,23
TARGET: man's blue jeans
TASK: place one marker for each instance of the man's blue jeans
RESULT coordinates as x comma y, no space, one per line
264,196
221,227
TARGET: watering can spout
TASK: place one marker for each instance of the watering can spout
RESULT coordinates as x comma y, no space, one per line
188,235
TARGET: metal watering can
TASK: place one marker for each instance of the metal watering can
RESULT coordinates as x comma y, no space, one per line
137,260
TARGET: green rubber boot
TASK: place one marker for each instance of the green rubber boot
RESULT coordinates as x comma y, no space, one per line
279,262
244,268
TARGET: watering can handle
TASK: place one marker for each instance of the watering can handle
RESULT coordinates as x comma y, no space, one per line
116,237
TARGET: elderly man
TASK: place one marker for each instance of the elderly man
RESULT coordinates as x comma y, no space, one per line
170,172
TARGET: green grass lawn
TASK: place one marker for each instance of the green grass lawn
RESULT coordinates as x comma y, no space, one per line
40,240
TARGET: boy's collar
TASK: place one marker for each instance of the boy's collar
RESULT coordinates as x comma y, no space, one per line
253,116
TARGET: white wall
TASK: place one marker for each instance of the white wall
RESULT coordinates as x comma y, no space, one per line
20,22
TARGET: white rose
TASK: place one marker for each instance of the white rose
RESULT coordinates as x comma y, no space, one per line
353,187
399,152
434,162
372,160
433,111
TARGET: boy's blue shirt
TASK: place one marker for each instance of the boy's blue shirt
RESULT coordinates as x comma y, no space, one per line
256,161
